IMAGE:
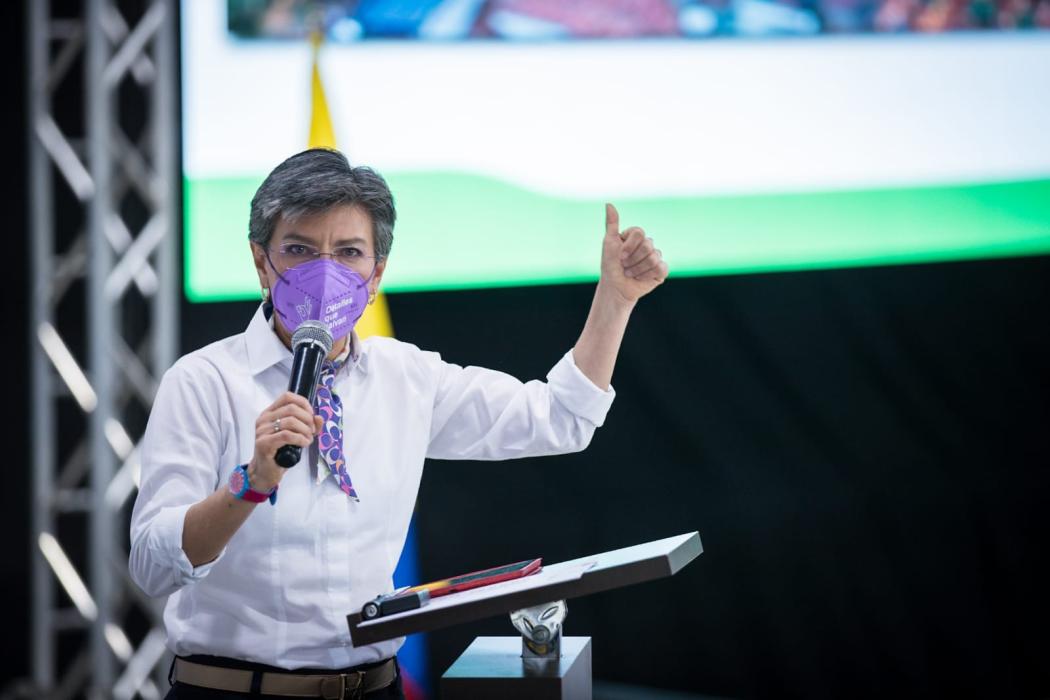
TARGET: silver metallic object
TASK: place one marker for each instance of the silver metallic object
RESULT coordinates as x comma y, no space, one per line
314,332
540,628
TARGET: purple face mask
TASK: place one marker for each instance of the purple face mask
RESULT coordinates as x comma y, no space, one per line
320,290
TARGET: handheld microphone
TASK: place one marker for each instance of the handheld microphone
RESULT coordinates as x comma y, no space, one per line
311,344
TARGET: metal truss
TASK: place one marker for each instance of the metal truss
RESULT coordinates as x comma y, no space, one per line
102,181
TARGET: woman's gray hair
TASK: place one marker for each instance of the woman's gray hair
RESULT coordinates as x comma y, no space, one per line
313,182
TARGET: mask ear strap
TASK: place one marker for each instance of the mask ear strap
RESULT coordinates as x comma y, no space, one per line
374,268
279,275
271,299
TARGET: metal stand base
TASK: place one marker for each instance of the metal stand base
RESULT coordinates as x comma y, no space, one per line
493,667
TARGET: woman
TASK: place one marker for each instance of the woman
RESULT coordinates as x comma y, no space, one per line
259,591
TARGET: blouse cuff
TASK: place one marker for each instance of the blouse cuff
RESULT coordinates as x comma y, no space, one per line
577,393
166,541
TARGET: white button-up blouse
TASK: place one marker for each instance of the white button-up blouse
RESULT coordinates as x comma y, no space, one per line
280,591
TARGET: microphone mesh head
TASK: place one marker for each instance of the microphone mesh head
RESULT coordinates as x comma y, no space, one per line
313,332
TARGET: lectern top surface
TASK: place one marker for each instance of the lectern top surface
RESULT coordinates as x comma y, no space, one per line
568,579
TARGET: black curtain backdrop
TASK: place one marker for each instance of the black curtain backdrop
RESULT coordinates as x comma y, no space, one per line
864,453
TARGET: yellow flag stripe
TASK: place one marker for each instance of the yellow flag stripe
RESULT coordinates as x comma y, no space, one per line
376,319
322,135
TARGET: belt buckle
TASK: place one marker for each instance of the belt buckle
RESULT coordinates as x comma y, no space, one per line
346,688
357,690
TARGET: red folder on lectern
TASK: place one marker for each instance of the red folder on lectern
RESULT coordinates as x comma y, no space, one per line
417,596
484,577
